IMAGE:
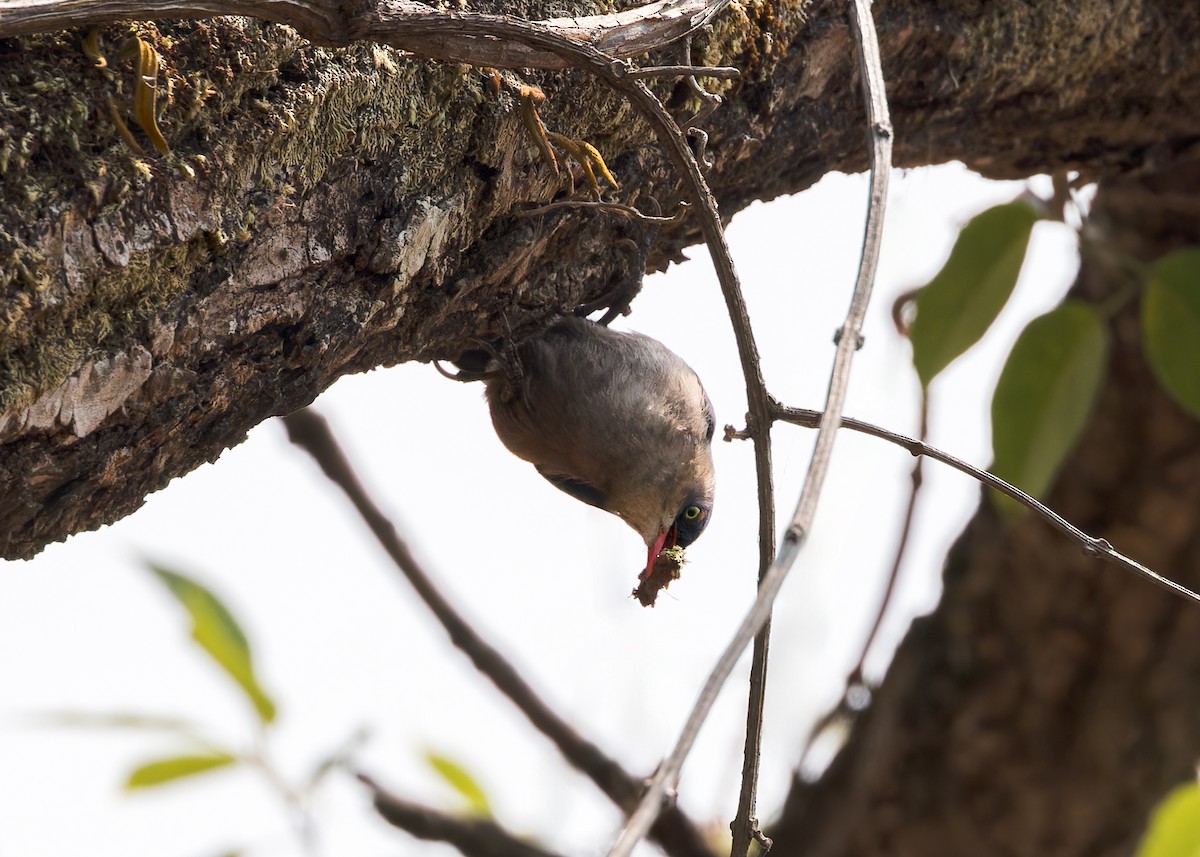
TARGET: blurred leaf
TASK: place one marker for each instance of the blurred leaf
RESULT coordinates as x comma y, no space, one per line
1171,326
119,720
218,633
1045,395
1174,829
114,720
462,782
173,768
960,303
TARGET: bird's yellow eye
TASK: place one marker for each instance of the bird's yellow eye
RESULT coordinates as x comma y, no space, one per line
691,513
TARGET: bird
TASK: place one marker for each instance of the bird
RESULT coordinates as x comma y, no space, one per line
614,419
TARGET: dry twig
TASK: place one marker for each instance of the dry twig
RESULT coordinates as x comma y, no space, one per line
474,837
1091,545
720,72
611,207
675,833
423,30
745,824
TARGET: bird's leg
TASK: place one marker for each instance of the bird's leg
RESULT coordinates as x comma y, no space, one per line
531,97
494,78
585,154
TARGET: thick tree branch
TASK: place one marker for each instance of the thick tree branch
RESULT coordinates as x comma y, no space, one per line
328,212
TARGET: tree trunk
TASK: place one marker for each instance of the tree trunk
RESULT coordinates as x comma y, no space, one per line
1051,700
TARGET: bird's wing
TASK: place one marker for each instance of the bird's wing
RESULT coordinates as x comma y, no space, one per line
577,488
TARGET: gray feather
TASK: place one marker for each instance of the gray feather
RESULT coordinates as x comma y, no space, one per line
618,412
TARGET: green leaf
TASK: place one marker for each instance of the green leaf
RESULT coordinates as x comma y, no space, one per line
114,720
173,768
960,303
1174,829
1171,326
1045,395
218,633
462,782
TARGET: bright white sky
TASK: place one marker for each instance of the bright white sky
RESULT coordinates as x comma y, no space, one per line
342,643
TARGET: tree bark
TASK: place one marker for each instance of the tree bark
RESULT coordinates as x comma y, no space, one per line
1051,700
328,211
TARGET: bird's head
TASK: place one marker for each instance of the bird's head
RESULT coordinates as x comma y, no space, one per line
677,510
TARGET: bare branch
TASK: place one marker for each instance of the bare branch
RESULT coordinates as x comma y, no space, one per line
759,418
675,833
1091,545
856,675
856,691
611,207
474,837
691,71
745,824
472,38
850,336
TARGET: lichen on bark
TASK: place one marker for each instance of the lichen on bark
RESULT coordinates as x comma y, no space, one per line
326,211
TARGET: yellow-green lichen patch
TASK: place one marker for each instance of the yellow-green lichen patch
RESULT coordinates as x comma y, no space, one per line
49,341
252,114
368,102
752,35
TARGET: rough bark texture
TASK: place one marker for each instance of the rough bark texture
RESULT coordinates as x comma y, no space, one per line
1051,700
327,211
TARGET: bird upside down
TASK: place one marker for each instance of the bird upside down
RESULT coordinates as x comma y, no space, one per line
618,421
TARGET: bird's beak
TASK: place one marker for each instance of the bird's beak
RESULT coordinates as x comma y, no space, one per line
663,541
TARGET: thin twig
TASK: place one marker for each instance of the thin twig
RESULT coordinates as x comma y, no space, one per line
856,691
474,837
1092,546
297,804
850,335
667,776
745,825
916,480
675,833
709,102
612,207
745,822
759,419
720,72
